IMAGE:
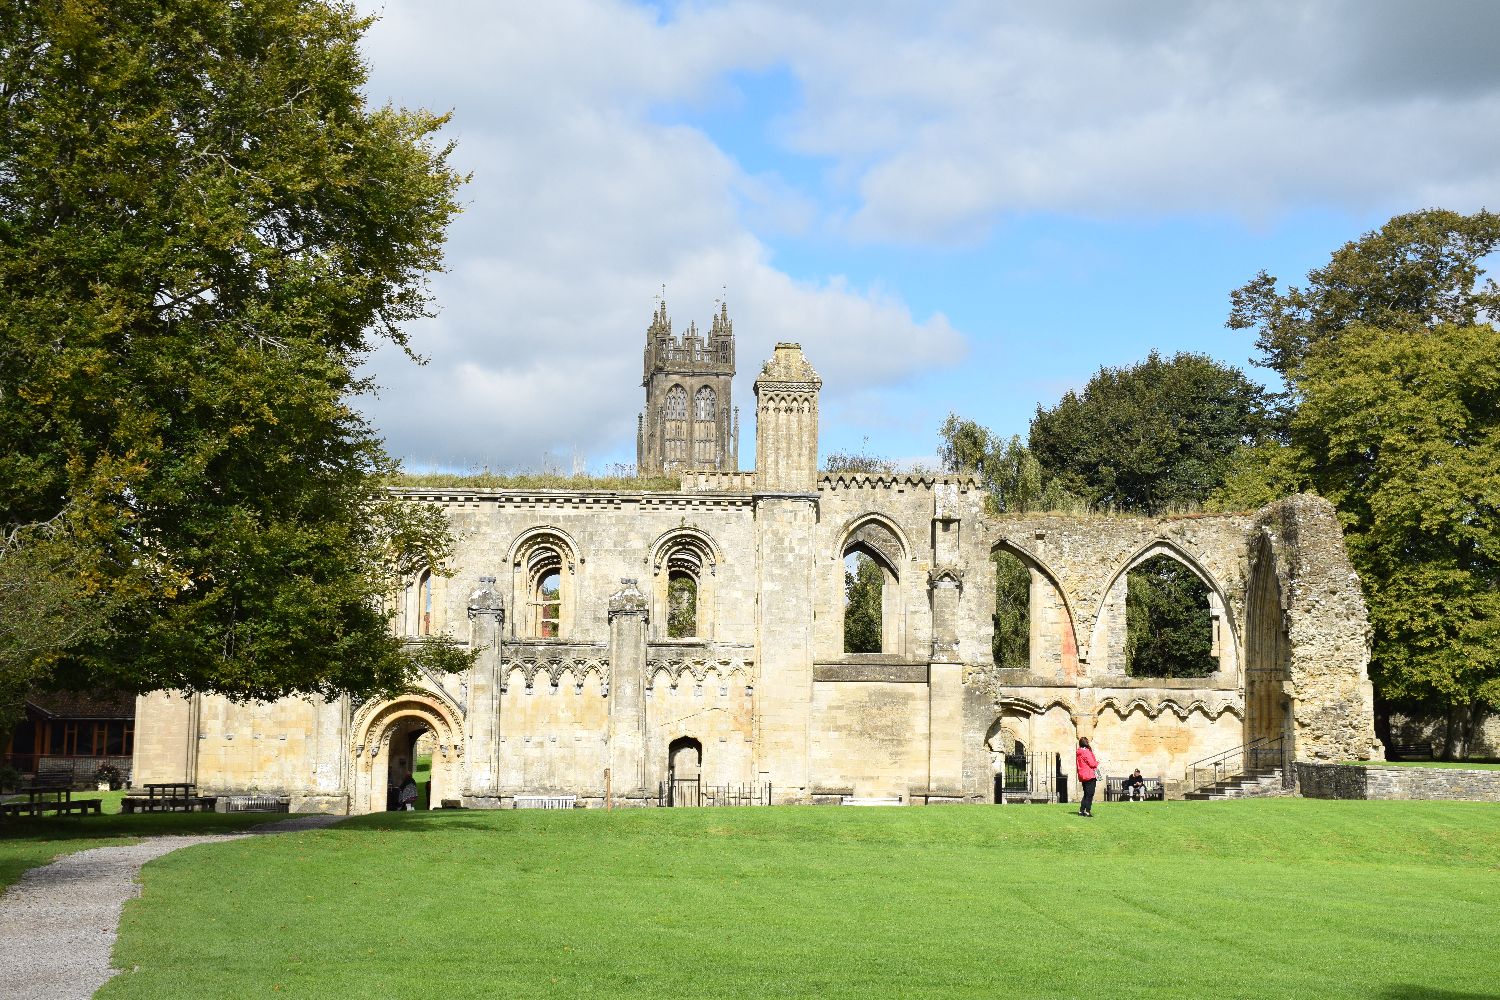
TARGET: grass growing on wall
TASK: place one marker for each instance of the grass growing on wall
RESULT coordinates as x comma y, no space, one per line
1270,898
534,481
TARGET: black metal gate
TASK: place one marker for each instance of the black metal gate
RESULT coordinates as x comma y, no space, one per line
1031,777
693,792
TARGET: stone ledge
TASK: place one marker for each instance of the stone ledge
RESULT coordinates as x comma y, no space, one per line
882,672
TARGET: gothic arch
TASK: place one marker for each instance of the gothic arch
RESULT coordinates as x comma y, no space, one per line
1035,562
536,555
1229,650
898,556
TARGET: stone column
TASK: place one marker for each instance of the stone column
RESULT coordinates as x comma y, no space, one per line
786,520
945,687
486,625
629,614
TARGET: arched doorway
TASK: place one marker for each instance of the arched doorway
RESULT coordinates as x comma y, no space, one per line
389,739
685,772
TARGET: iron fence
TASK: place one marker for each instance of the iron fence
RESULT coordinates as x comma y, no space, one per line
679,792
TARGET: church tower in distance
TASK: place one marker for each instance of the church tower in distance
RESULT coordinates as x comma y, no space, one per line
690,421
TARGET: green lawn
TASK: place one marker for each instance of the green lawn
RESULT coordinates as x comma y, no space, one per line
1460,765
1269,898
27,843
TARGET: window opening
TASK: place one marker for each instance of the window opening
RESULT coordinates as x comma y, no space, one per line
1011,644
1168,621
682,605
549,605
864,583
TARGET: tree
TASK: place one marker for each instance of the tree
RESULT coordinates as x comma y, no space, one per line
1011,475
1417,271
1168,632
1392,363
1403,435
1010,643
863,588
203,232
1151,437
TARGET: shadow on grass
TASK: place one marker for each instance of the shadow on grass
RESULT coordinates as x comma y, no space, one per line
54,828
1407,991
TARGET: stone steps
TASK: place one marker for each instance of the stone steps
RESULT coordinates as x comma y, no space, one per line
1251,784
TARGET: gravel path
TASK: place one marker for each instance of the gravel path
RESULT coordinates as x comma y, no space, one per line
58,923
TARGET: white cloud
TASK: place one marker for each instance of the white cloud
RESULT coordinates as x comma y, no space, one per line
933,123
580,208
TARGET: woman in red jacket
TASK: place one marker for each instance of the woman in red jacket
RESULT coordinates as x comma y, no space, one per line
1088,774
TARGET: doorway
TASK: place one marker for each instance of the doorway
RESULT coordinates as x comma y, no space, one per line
685,772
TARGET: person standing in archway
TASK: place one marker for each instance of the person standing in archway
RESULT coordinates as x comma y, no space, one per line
1088,775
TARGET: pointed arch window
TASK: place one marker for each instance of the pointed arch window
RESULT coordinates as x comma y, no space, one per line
675,429
705,441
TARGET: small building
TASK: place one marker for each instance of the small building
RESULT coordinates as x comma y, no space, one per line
70,734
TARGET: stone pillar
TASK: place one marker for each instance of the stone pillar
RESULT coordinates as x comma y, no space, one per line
486,626
786,423
629,614
786,518
785,564
945,687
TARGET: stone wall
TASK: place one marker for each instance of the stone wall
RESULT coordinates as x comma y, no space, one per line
1372,781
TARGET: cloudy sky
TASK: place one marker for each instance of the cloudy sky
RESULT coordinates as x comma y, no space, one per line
962,206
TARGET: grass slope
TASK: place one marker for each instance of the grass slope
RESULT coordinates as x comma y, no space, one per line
1279,898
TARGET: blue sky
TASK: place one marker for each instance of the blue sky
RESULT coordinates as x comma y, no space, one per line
962,206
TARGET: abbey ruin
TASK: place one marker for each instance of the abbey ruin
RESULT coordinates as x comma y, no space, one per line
630,642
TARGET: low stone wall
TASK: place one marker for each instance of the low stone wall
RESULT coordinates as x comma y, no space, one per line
1351,781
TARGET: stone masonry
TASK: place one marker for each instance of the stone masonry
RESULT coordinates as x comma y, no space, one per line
585,684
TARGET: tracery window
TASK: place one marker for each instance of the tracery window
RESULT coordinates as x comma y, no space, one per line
676,430
705,441
703,404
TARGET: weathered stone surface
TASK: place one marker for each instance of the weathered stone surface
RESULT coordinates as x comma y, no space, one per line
584,692
1372,781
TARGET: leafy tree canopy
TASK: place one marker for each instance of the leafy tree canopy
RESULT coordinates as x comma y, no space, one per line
1417,271
1011,475
1152,437
1394,365
203,231
1168,631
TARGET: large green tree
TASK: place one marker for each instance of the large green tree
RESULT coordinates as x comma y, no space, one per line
1393,370
204,230
864,586
1151,437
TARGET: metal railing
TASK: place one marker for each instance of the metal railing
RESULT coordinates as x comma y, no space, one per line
692,792
1263,755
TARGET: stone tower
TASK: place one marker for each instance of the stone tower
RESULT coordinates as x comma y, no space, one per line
786,423
690,421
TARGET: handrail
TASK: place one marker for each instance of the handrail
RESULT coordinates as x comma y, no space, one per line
1220,766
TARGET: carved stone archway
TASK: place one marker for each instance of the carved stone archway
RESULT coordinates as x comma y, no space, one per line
374,726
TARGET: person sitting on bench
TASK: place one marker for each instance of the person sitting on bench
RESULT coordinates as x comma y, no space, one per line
1135,787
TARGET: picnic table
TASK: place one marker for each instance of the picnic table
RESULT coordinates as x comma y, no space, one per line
168,796
50,796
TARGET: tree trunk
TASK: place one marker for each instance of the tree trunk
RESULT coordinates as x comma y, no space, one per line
1460,722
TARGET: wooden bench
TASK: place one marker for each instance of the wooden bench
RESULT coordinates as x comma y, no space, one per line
1154,790
546,801
1409,751
169,796
51,796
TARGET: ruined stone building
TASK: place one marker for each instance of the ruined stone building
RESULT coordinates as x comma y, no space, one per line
630,641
